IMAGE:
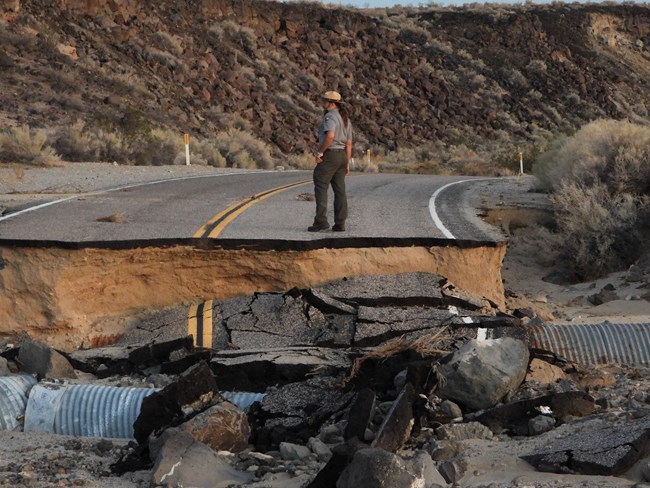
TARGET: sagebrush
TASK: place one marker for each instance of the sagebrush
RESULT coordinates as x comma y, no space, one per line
26,146
600,184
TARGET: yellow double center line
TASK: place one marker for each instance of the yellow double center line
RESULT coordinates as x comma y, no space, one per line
218,223
199,324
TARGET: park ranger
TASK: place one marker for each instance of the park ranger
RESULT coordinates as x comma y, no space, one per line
332,163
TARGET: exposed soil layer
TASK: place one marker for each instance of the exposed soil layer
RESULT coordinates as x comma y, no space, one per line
60,294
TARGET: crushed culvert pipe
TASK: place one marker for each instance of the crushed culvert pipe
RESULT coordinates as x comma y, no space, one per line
93,410
13,400
243,400
81,410
591,344
84,410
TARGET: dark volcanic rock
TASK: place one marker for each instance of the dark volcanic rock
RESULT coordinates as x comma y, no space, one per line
578,64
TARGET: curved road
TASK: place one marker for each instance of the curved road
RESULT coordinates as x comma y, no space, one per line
252,206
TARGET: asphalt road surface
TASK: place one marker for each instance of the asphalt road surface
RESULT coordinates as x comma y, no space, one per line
266,205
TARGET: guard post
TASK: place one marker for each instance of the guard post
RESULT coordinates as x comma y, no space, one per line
187,149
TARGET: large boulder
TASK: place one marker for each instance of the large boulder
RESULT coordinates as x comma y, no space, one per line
372,468
480,374
36,357
223,427
182,461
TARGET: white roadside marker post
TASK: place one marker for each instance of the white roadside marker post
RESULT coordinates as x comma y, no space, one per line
187,149
521,163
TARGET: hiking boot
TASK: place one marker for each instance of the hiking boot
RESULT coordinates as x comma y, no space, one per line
318,227
339,228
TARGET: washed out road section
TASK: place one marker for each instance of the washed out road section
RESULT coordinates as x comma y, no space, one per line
69,269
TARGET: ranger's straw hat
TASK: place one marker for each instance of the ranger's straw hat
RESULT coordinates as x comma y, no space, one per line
332,96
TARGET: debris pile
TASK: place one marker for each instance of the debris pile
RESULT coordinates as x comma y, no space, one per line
370,381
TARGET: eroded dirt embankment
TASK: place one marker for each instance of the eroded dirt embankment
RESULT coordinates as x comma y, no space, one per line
59,294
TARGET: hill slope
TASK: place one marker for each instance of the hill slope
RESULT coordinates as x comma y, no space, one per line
488,77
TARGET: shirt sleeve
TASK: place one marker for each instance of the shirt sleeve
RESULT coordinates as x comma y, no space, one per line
329,124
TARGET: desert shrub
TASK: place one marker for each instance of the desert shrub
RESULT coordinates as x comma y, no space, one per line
206,152
600,179
612,152
225,121
112,146
600,232
74,143
159,56
414,35
25,145
238,34
79,142
252,153
158,148
133,124
169,42
304,160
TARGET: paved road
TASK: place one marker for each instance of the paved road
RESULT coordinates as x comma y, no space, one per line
253,206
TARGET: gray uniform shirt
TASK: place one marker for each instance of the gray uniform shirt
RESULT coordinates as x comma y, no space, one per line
334,122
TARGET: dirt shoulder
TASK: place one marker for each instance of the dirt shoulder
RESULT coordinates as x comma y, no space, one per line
532,274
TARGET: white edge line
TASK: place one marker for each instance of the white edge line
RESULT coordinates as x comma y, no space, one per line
125,187
434,214
432,206
36,207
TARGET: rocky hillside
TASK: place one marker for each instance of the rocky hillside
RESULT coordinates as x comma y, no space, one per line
483,76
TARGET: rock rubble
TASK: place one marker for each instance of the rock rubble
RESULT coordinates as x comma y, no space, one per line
402,412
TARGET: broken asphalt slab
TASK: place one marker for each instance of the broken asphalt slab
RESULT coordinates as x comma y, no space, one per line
602,450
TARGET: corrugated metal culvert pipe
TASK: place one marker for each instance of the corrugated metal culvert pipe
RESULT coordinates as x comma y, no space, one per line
84,410
13,399
591,344
81,410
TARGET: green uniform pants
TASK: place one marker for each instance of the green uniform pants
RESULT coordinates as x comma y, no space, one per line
331,171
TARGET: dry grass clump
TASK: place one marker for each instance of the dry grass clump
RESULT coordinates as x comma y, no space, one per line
243,150
26,146
428,345
600,179
115,218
